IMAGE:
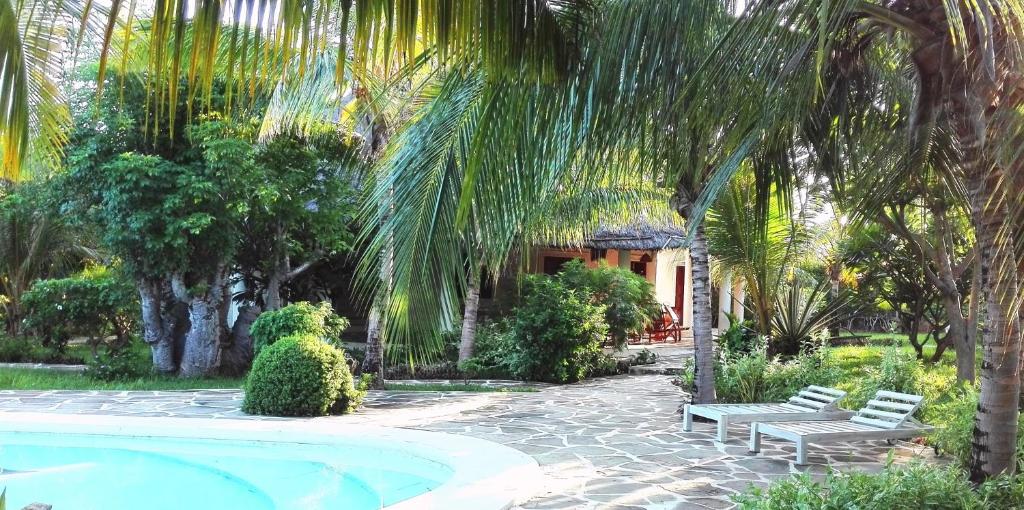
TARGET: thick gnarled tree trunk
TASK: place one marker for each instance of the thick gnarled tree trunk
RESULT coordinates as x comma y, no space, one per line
158,323
204,340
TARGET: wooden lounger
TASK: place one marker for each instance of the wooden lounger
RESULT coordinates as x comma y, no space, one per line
888,416
811,403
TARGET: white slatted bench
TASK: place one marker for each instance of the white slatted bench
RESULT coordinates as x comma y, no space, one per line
888,416
810,403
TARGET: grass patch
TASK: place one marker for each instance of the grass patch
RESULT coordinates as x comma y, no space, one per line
474,388
30,379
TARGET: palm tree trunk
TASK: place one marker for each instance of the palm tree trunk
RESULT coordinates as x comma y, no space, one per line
373,362
703,343
469,317
995,424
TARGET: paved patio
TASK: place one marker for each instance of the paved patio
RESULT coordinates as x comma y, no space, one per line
611,443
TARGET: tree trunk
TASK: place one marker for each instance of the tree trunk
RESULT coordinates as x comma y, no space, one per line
995,424
469,317
158,324
703,343
373,362
236,357
203,342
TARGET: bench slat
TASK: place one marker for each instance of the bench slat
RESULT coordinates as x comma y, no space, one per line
884,414
891,405
817,396
875,423
899,396
811,403
829,391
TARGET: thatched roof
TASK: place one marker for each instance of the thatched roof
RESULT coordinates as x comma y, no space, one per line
637,236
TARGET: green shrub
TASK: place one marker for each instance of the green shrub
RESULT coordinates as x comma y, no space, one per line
628,299
914,486
558,332
118,365
496,352
301,318
95,303
26,350
756,377
300,375
739,338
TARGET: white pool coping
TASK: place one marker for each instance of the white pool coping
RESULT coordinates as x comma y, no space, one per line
485,475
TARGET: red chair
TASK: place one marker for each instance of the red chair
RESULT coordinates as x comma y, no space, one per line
666,329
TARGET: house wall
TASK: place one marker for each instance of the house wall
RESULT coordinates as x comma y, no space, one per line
665,262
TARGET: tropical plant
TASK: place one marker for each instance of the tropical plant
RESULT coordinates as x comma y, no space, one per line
801,313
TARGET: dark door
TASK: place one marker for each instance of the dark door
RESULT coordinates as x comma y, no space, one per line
680,291
553,265
639,268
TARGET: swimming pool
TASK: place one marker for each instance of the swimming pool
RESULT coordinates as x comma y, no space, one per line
112,463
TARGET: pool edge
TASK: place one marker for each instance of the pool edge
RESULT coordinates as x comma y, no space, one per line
486,475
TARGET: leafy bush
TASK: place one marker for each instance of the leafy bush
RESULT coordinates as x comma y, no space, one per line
913,486
954,426
29,350
558,333
300,375
301,318
800,314
739,338
118,365
628,299
95,303
496,352
757,377
644,357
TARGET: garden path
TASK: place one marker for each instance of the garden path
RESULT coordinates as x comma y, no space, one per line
609,443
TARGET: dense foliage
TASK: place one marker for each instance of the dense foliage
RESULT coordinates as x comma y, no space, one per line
628,298
913,486
95,303
756,376
303,319
300,375
559,332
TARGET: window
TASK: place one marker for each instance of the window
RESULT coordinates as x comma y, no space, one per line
639,268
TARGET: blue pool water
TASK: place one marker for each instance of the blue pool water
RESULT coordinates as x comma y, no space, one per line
86,472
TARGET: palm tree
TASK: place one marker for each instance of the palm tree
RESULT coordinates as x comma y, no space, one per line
965,61
36,45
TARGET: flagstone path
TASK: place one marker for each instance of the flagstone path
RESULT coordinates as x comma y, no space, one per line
610,443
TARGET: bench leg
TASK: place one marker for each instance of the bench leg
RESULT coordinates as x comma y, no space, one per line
687,418
801,451
755,438
723,428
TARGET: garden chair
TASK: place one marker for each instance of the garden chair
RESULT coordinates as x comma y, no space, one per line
810,403
888,416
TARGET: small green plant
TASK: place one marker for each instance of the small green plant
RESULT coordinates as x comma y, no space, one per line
899,370
644,357
301,318
739,338
300,375
954,426
117,365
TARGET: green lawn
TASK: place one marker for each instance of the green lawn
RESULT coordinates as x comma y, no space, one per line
29,379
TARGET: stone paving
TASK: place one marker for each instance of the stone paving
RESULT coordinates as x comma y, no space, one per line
610,443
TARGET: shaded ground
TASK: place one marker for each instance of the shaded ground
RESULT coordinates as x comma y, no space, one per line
609,443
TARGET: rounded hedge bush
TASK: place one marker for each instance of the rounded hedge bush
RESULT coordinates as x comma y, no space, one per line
300,375
302,318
